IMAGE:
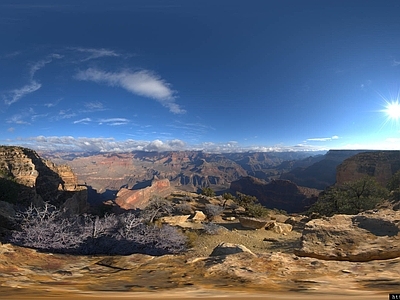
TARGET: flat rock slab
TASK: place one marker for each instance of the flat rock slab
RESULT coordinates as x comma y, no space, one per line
372,235
252,223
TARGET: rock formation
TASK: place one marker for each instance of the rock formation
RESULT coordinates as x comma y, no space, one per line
188,170
133,199
379,164
252,223
371,235
229,248
26,178
320,172
277,227
279,194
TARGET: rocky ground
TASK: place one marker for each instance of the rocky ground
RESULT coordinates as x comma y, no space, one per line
269,270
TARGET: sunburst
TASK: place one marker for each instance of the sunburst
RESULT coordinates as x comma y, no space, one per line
392,110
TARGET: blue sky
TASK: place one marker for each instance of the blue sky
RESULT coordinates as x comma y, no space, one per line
212,75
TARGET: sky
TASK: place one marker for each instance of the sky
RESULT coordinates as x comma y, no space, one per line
218,76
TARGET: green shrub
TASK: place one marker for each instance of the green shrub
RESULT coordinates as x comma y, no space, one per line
350,198
207,191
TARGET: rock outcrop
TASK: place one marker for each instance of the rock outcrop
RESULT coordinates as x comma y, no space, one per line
133,199
26,178
252,223
321,173
379,164
279,194
277,227
371,235
229,248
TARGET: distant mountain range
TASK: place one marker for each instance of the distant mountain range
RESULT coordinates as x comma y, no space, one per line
188,170
303,174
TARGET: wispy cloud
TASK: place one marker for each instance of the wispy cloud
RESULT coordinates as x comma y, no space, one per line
109,122
52,104
143,83
84,121
335,137
41,63
96,53
16,94
114,121
395,63
93,106
22,118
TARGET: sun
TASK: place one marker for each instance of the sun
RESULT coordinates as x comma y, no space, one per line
392,110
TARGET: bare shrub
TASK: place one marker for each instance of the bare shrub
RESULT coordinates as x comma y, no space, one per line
157,208
212,210
46,229
184,208
212,229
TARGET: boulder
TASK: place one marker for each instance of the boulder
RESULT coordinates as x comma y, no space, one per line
277,227
228,248
252,223
174,220
371,235
199,216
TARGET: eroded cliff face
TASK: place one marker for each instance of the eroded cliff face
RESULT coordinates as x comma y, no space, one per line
27,178
379,164
280,194
132,199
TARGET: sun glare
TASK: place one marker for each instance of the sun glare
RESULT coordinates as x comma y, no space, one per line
393,110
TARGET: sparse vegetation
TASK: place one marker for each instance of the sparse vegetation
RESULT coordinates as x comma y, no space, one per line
184,208
47,229
158,207
212,210
250,203
394,187
212,229
350,198
207,191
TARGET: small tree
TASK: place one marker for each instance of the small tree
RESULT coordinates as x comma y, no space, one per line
207,191
157,208
350,198
250,203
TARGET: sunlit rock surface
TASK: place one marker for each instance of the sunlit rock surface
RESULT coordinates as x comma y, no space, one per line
372,235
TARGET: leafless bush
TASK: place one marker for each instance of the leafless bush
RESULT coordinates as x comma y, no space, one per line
157,208
212,229
184,208
46,229
212,210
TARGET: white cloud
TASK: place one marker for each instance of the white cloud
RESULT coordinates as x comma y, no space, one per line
143,83
17,94
84,121
41,63
69,143
94,106
114,121
335,137
33,85
52,104
395,63
96,53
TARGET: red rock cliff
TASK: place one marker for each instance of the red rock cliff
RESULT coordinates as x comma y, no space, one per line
132,199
